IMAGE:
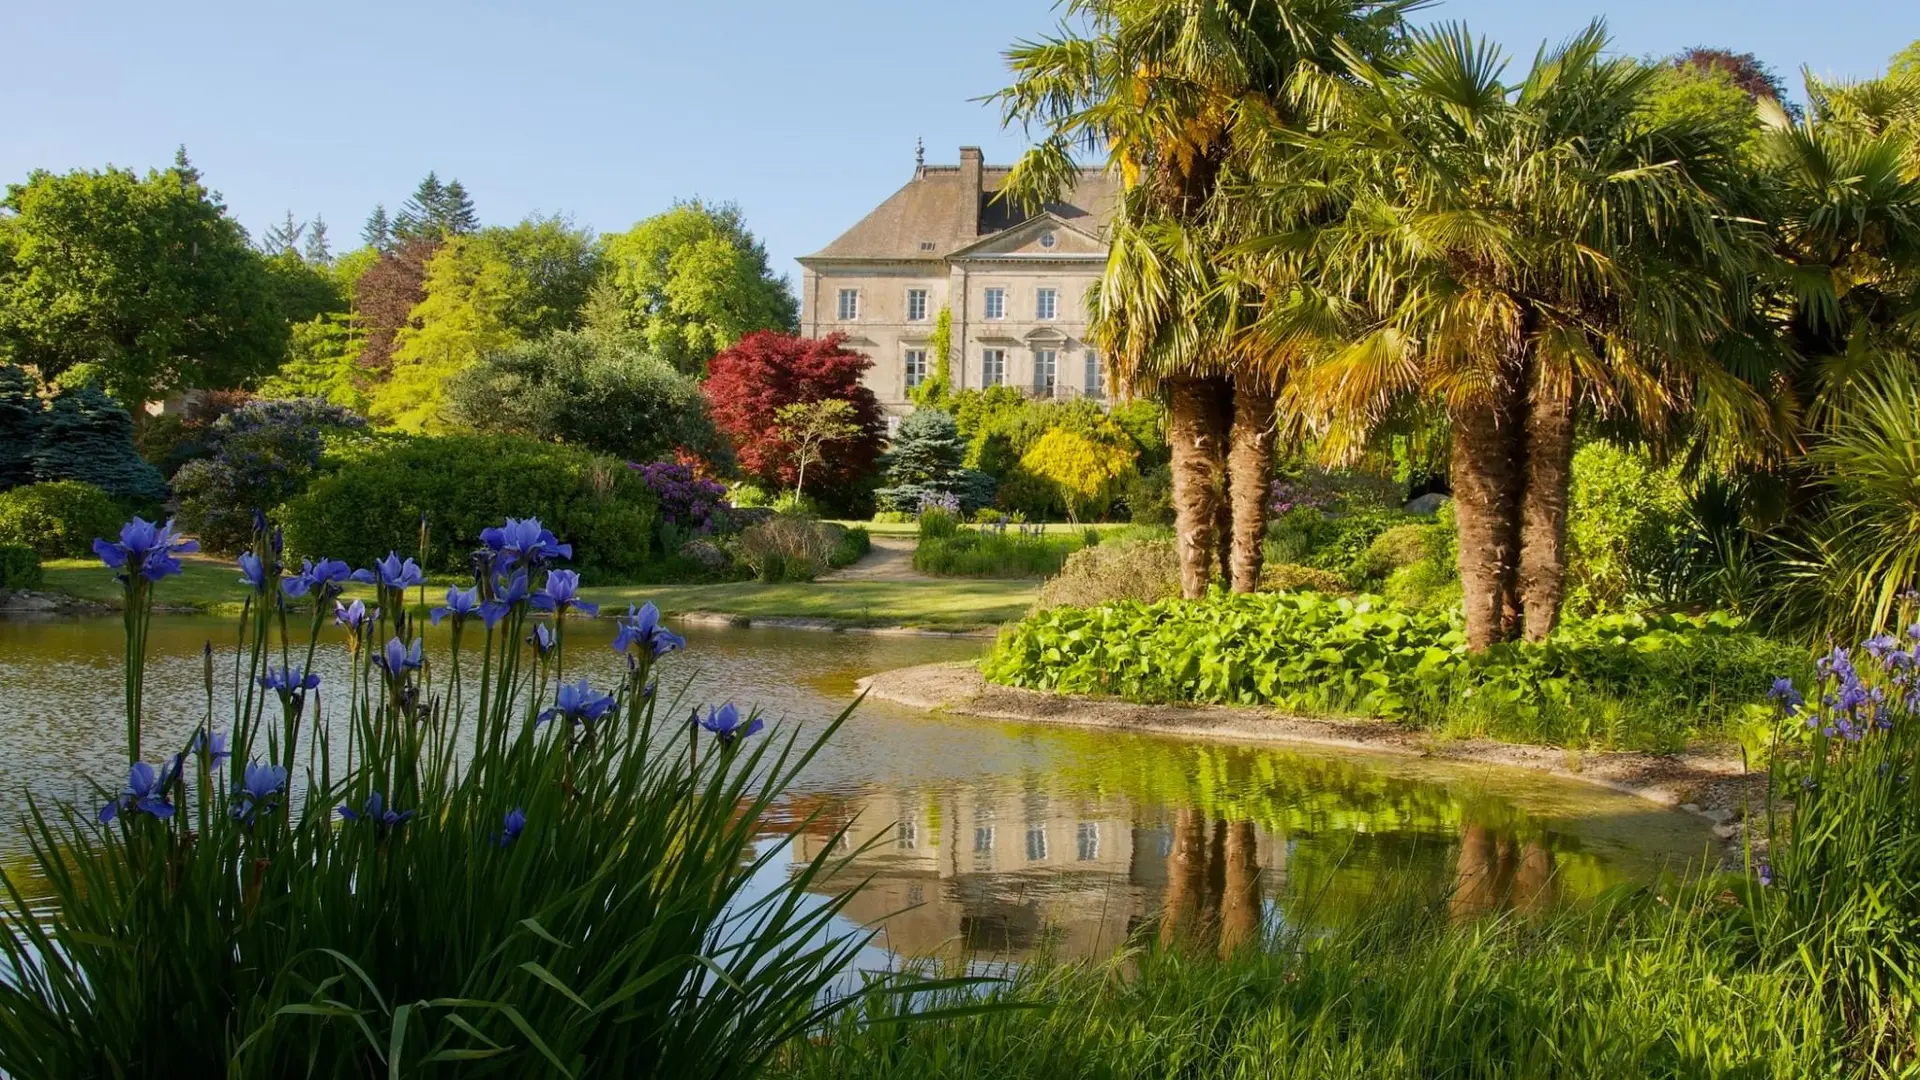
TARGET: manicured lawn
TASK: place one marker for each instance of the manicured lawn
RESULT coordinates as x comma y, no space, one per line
945,604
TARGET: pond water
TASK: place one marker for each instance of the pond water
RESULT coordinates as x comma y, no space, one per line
993,838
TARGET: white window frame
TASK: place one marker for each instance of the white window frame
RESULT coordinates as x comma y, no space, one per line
993,367
914,378
1096,375
1087,842
906,835
1046,364
994,306
983,839
1037,843
848,305
1046,304
917,296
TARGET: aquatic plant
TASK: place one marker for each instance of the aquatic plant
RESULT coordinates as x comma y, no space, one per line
410,873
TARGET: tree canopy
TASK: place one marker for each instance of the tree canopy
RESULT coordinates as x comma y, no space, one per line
147,276
693,281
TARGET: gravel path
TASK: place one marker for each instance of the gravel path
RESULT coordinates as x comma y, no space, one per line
890,560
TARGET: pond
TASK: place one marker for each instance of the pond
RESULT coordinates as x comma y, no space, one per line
990,839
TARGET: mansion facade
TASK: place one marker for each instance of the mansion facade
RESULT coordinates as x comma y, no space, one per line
1014,284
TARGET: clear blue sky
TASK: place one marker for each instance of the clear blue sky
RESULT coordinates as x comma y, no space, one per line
803,113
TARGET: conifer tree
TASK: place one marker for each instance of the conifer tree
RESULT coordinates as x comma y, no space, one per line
86,436
457,215
378,232
317,252
283,237
20,420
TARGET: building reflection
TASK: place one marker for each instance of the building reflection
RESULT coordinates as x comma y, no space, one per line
1003,873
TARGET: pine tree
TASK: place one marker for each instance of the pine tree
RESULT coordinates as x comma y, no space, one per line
181,165
457,215
284,237
420,215
378,232
86,436
317,253
20,421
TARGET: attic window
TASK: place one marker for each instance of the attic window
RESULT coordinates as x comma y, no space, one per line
1046,240
927,245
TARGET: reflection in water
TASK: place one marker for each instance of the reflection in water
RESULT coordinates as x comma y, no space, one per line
993,838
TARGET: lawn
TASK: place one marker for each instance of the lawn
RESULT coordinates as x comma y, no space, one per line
947,604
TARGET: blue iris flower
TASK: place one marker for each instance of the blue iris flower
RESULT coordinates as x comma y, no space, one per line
578,703
376,811
726,725
640,628
355,616
523,543
516,822
1789,698
461,603
560,592
145,793
542,639
392,572
323,579
259,788
399,657
289,680
212,747
507,592
253,571
145,549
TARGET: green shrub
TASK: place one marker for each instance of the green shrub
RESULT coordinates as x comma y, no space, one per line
850,545
1626,521
1289,577
894,517
85,436
988,551
938,524
1149,496
258,456
1399,546
372,502
1142,570
59,518
1619,680
19,567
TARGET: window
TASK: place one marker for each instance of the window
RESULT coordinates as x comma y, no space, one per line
982,839
1046,304
1036,843
1087,841
916,364
916,305
1046,240
1096,383
849,304
996,303
993,367
906,835
1044,372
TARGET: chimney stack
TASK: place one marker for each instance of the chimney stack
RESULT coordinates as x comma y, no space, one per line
971,168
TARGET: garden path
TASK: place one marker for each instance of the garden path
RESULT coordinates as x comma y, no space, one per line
890,560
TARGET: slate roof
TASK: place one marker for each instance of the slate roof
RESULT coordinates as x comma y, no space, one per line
927,211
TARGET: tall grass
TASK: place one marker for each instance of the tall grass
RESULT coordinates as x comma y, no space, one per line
528,877
947,549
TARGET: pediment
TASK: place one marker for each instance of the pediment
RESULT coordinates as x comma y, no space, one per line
1043,236
1045,335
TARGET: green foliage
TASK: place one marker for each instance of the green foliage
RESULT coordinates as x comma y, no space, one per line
947,550
1149,496
19,563
257,457
850,546
1906,61
20,420
1339,543
1432,582
1706,99
1674,676
932,392
791,547
1627,522
91,269
371,503
1086,473
1143,570
810,428
302,291
927,460
323,357
58,519
1287,577
694,281
583,390
86,436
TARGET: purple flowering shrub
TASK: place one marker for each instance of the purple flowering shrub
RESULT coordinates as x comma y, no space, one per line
1841,876
469,848
687,502
259,456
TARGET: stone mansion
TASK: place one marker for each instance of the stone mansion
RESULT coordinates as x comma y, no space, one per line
1013,283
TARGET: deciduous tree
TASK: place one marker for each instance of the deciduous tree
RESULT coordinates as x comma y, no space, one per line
694,281
751,382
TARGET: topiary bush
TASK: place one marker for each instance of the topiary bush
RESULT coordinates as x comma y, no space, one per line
371,503
58,519
85,436
19,567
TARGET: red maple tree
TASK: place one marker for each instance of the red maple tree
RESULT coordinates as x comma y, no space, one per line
749,383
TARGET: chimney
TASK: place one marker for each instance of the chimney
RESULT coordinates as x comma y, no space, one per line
968,225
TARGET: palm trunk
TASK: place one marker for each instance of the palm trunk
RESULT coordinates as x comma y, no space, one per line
1196,451
1221,416
1485,476
1240,909
1186,876
1543,507
1250,475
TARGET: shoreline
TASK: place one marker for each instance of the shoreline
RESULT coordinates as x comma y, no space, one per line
1713,784
820,625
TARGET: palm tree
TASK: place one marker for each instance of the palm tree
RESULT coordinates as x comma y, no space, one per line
1509,254
1162,88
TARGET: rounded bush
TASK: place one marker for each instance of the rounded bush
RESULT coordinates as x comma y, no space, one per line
19,567
59,518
